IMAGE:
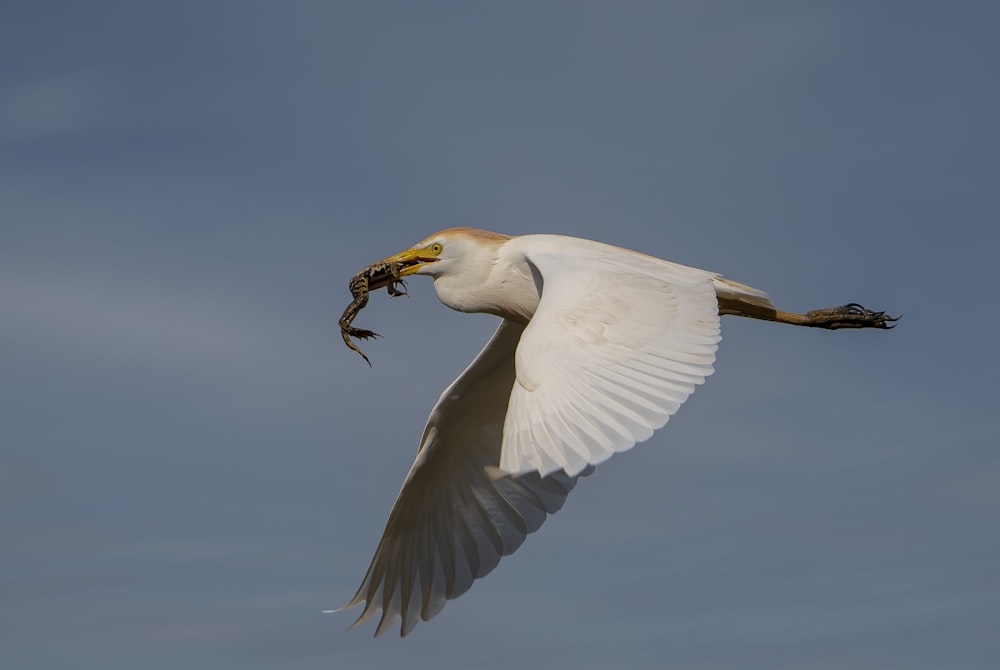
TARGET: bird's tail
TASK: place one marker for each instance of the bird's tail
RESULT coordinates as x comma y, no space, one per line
740,299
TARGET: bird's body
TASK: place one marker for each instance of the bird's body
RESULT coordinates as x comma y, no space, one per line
598,346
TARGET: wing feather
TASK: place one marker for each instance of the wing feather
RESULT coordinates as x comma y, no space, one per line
618,342
457,513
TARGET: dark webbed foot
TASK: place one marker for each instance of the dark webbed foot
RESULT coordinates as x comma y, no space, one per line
349,331
396,292
851,315
359,333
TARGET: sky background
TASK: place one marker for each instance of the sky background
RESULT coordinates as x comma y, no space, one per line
193,466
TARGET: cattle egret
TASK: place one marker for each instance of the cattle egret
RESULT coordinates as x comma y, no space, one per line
597,347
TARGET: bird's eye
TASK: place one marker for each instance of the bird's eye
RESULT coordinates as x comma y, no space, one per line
436,248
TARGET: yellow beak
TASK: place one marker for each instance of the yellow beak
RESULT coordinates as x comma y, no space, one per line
411,260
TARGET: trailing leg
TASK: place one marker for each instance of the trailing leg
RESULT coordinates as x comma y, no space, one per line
851,315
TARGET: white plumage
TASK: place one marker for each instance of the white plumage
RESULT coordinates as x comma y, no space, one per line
597,348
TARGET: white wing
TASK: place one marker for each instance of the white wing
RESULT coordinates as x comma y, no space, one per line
618,342
457,514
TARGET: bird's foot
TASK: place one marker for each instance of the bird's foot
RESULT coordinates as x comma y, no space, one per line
851,315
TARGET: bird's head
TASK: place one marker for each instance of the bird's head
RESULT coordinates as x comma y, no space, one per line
462,262
455,252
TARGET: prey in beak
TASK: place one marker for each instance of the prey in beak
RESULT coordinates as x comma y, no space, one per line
407,263
385,274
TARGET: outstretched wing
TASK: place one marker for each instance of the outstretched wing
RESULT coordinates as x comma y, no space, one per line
618,342
457,514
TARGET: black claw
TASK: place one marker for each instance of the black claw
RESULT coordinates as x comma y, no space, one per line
851,315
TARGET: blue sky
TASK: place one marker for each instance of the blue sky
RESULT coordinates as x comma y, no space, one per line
192,465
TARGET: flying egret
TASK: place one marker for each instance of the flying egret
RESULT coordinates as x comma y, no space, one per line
597,347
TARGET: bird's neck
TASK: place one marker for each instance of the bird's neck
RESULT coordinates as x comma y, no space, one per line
506,288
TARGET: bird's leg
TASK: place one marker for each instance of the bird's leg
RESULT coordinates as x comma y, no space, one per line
851,315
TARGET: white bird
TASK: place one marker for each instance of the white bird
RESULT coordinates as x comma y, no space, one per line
598,346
